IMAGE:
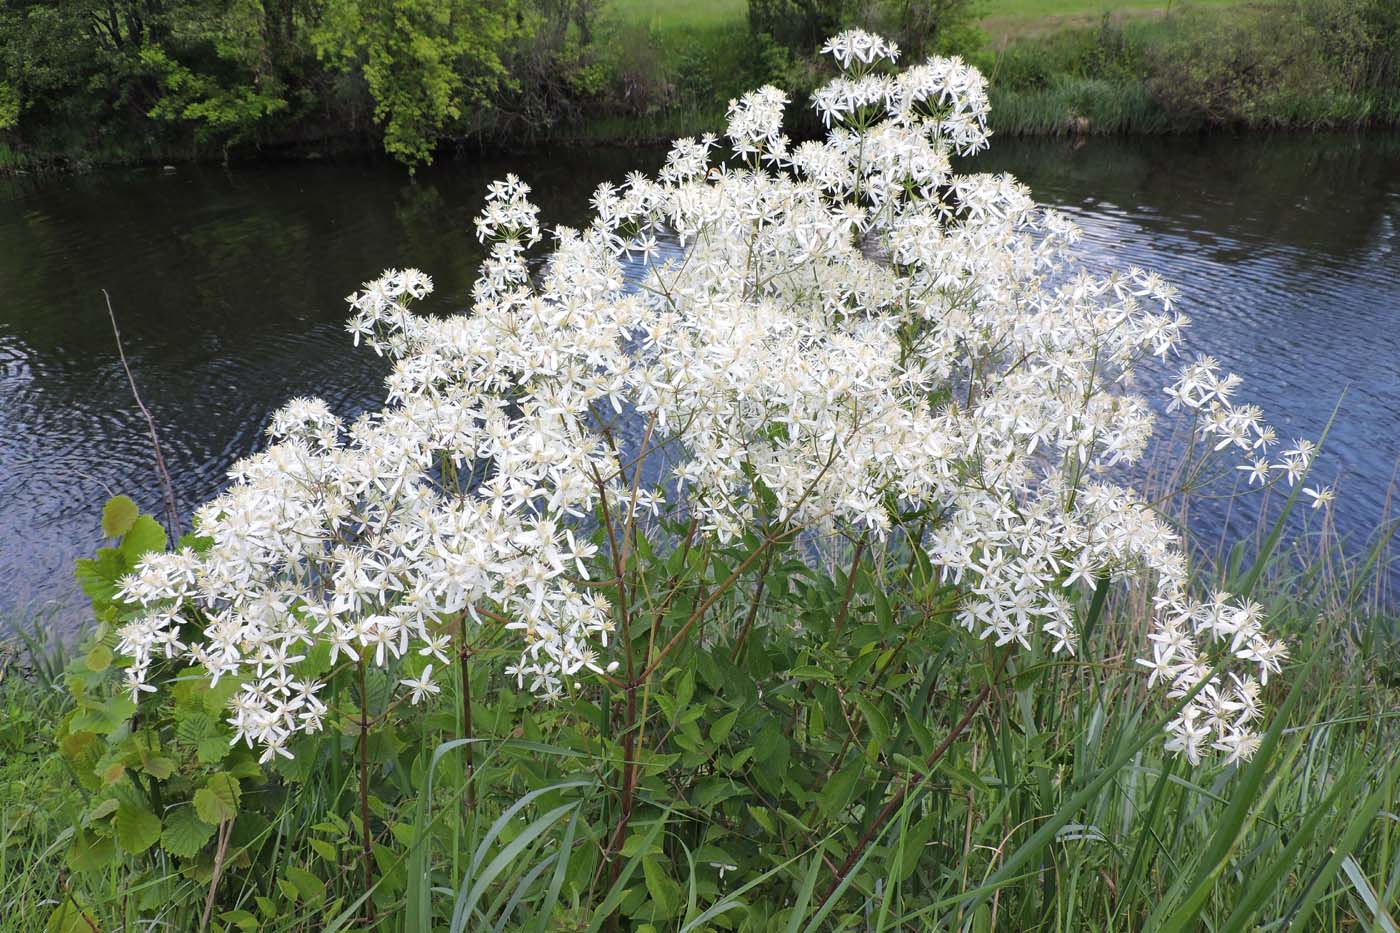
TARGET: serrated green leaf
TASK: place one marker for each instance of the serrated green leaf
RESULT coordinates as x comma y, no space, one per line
105,717
218,799
137,828
191,726
158,767
98,577
185,833
118,515
211,750
145,536
722,726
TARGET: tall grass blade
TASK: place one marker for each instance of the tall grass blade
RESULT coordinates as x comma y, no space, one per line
1297,918
1233,822
1379,915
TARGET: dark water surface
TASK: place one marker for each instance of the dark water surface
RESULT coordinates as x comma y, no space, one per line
229,287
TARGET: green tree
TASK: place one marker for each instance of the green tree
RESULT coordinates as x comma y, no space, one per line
427,63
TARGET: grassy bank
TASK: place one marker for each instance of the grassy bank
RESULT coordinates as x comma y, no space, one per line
1141,66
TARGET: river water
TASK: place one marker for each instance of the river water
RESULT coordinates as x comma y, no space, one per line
229,288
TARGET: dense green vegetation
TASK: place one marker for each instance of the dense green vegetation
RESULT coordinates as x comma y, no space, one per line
1018,793
130,80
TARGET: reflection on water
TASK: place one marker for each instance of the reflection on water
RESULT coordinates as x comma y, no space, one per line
229,287
1287,255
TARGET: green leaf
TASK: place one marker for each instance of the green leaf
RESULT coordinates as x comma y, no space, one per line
721,729
185,833
118,515
240,918
158,767
98,577
145,536
99,659
137,828
324,849
212,749
68,917
218,799
91,852
105,718
875,718
311,888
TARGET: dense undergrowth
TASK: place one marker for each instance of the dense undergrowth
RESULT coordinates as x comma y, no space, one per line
764,757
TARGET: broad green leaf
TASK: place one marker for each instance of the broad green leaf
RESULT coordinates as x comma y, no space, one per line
98,576
98,659
218,799
145,536
91,852
105,717
118,515
324,849
185,833
137,828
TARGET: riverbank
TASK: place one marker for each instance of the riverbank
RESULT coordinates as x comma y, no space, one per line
643,72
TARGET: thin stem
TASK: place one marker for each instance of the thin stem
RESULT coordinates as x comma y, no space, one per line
464,658
225,828
367,843
744,630
629,780
850,589
893,804
172,513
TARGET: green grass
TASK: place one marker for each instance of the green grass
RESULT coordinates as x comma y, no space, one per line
1002,17
678,14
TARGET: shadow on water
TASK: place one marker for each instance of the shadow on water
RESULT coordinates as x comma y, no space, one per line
230,287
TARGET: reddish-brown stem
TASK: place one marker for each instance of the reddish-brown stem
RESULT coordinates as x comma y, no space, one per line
220,851
850,589
894,803
705,604
172,514
744,629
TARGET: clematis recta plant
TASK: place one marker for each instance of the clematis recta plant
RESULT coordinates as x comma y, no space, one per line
836,349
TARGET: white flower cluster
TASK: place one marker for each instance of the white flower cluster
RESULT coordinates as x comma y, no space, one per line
846,332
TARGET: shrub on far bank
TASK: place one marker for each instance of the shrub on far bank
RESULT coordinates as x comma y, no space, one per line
1297,63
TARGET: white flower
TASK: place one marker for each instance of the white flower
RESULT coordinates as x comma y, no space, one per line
421,687
1321,496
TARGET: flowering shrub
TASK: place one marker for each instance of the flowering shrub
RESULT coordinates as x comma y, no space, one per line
841,342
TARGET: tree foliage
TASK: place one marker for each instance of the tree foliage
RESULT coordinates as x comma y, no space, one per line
146,77
426,62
